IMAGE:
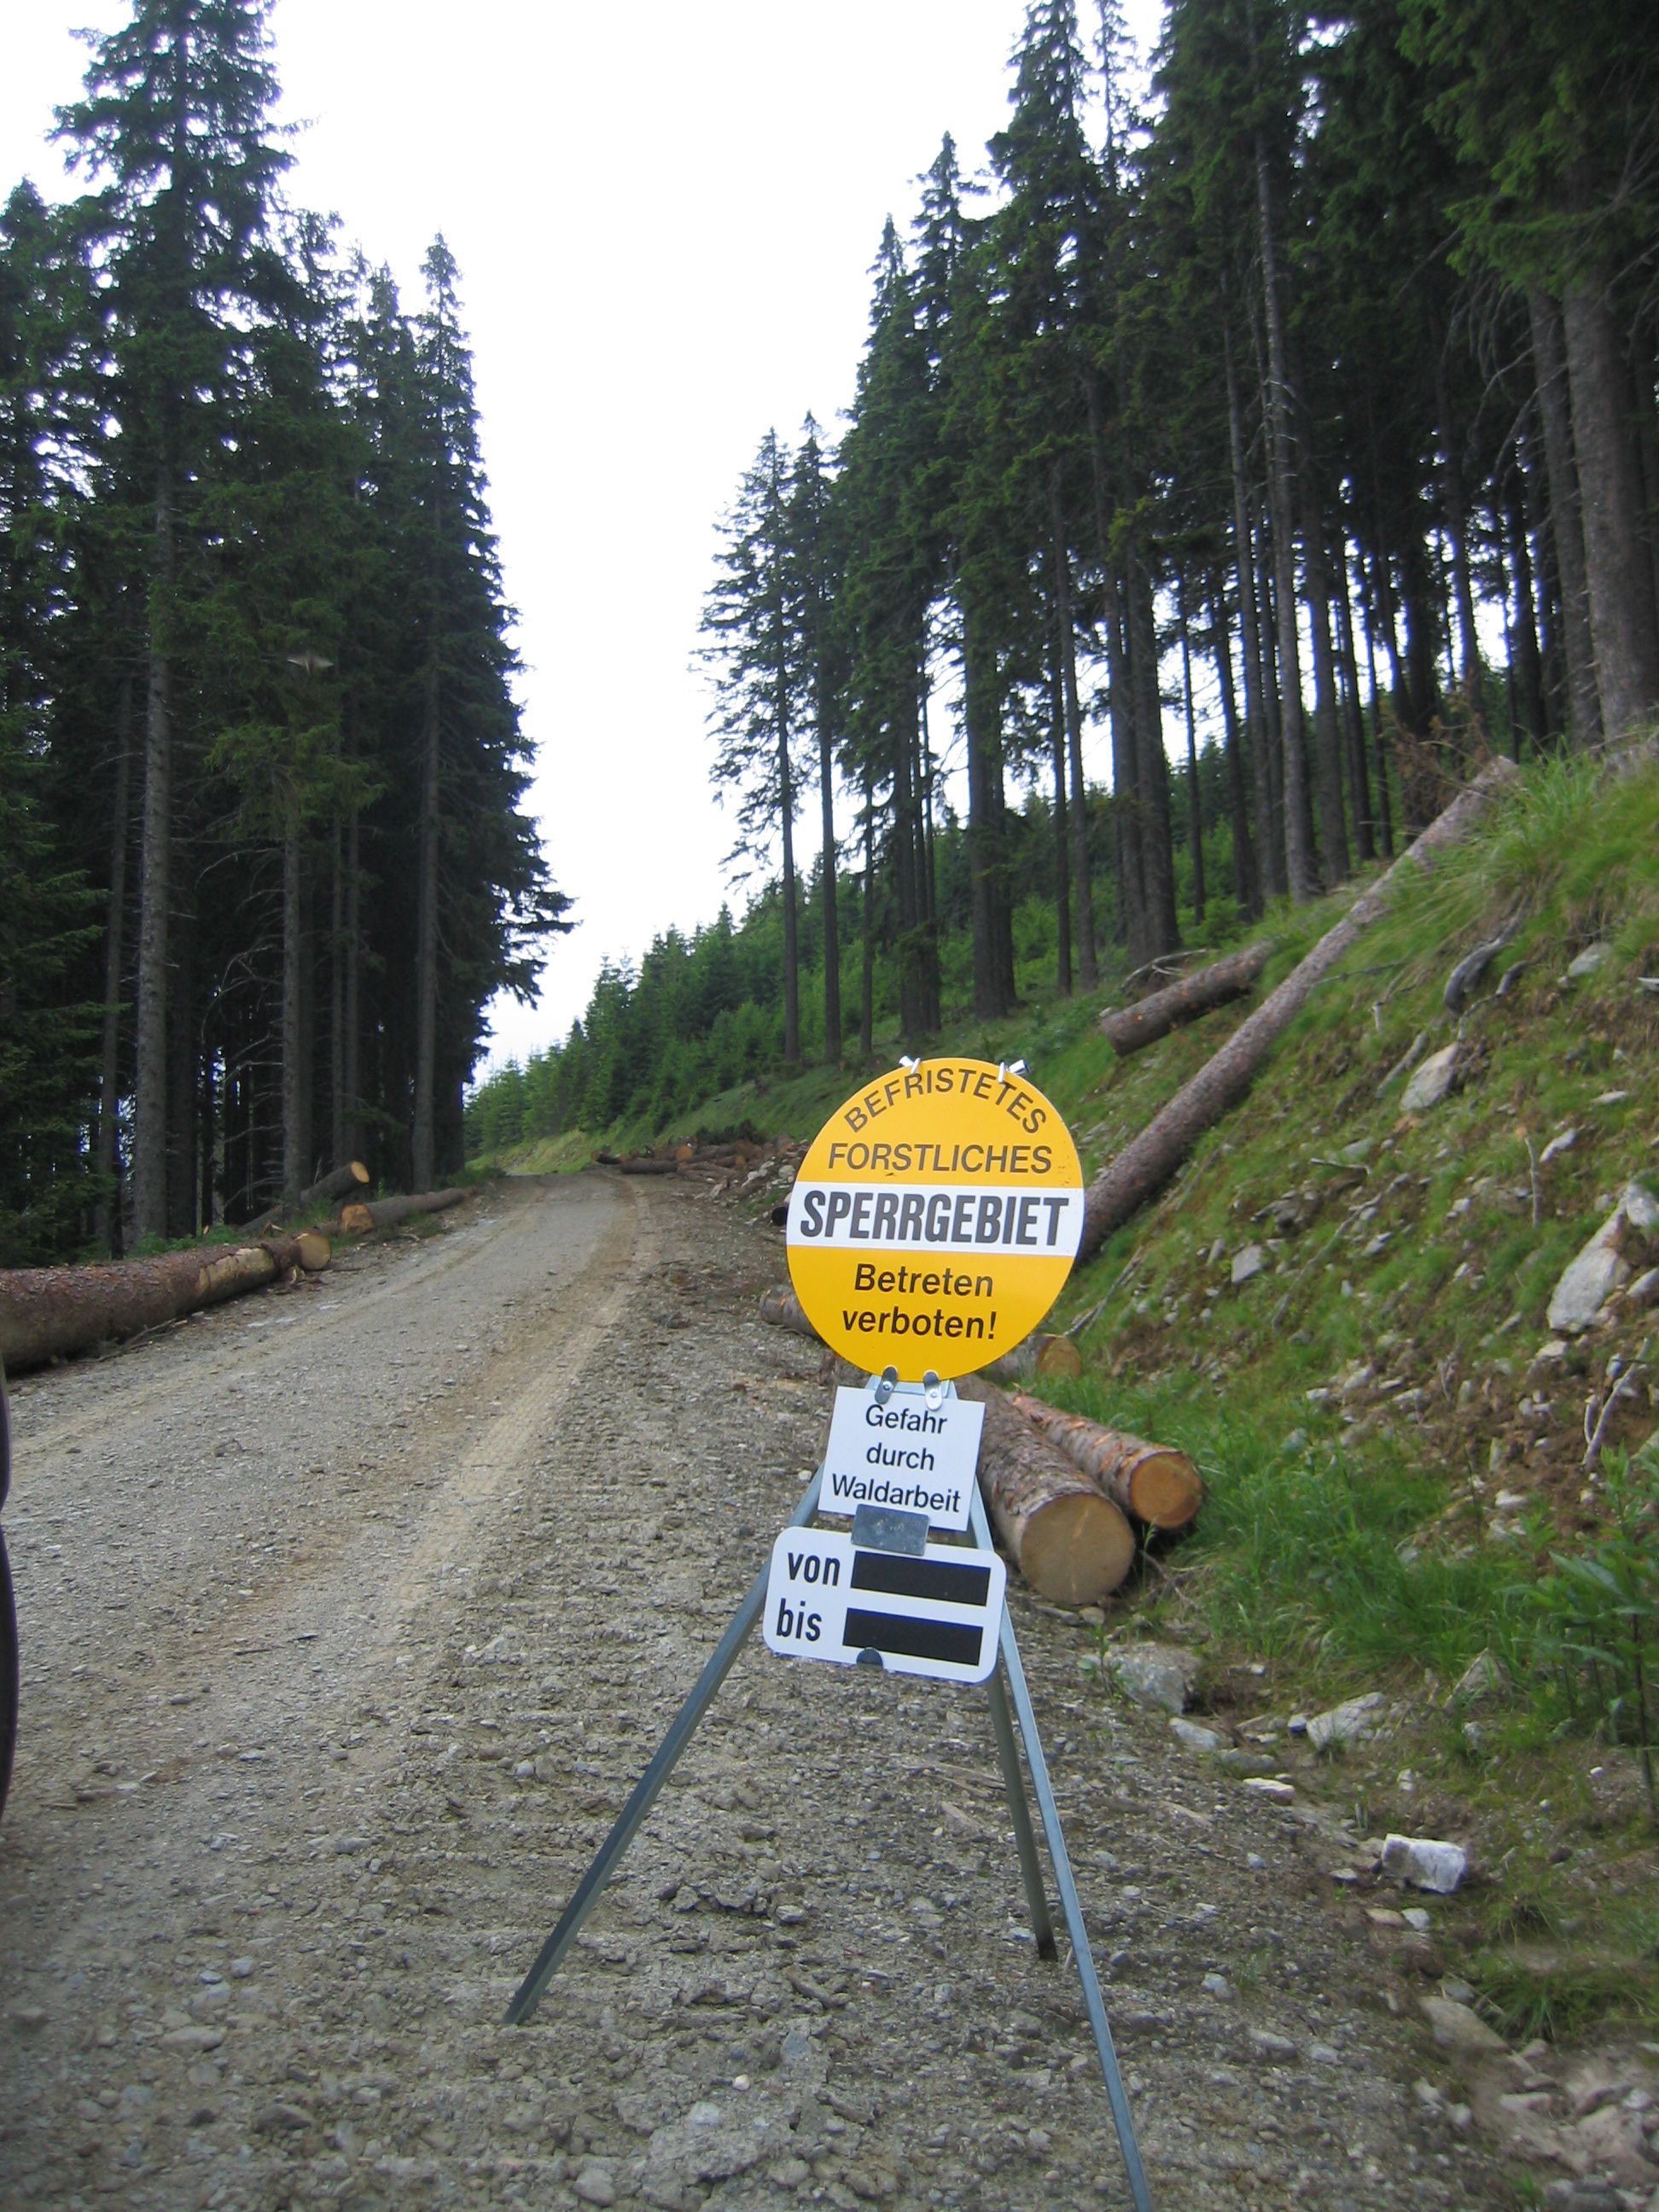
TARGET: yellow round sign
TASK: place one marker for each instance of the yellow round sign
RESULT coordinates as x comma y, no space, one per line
935,1217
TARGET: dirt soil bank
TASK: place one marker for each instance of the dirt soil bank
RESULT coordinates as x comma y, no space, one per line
351,1614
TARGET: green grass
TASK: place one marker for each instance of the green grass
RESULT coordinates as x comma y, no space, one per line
1345,1541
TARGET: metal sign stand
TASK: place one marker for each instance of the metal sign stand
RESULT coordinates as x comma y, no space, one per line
1006,1684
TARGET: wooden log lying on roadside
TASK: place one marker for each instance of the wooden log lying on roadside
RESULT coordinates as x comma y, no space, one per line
339,1183
1149,1482
1070,1543
367,1215
1126,1029
1042,1353
648,1163
49,1313
1147,1161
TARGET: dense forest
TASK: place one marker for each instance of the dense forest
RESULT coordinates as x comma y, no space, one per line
262,855
1301,402
1320,380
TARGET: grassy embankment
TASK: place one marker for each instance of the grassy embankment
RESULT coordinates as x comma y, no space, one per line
1393,1442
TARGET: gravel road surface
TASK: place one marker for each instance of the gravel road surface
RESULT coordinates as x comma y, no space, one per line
351,1613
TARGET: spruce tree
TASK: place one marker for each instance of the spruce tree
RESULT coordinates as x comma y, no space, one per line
751,626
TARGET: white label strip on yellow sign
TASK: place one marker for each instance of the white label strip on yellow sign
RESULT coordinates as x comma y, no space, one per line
934,1218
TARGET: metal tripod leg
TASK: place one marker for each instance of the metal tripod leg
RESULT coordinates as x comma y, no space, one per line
1070,1906
645,1789
1031,1867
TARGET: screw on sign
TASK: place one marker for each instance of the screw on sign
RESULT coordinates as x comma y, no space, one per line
935,1218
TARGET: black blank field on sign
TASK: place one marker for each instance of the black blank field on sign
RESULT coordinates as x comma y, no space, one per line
913,1639
897,1577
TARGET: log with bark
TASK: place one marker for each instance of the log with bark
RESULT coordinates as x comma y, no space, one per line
1070,1541
339,1183
1126,1029
1144,1166
1149,1482
49,1313
366,1215
1043,1353
648,1163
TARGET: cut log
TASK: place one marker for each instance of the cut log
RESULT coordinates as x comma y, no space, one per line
1070,1543
1126,1029
648,1163
780,1309
49,1313
1147,1161
367,1215
339,1183
1149,1482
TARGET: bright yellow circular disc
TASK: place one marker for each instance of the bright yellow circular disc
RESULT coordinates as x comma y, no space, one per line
935,1218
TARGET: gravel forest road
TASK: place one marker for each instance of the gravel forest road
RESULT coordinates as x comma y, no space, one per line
352,1612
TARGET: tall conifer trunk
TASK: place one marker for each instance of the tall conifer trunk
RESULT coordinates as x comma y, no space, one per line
1058,827
1327,739
107,1221
296,1088
423,1136
993,993
1566,520
1126,774
1525,656
1196,811
786,823
1624,622
1270,845
827,888
1247,882
1157,833
1088,969
1301,866
149,1133
1353,716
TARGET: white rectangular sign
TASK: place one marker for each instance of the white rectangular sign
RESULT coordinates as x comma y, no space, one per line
938,1614
902,1453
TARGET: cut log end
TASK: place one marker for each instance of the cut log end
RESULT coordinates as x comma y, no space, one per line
1076,1550
312,1250
1164,1490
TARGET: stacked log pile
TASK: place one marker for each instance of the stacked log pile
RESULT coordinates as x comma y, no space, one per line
757,1169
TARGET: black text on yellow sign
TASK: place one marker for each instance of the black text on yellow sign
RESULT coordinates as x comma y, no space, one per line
935,1217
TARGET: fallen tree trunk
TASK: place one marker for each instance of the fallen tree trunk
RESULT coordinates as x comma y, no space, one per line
49,1313
367,1215
1126,1029
1149,1482
1147,1161
648,1163
1043,1353
338,1183
1072,1544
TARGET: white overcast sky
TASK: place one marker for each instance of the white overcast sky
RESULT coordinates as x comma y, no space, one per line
664,217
